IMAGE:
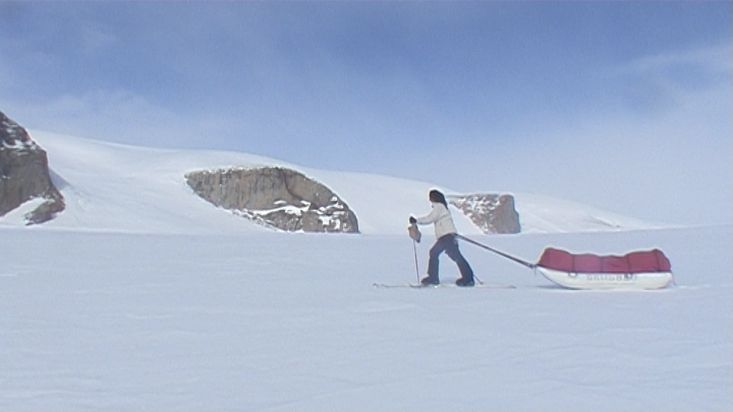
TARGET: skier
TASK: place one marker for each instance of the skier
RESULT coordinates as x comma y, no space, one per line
445,233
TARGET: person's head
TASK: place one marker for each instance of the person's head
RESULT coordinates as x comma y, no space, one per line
437,197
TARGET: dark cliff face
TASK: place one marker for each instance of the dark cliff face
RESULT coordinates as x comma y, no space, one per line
24,174
277,197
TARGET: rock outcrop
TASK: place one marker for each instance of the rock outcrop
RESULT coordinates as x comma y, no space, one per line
276,197
24,174
492,213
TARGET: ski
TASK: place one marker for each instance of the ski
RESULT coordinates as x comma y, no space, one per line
439,286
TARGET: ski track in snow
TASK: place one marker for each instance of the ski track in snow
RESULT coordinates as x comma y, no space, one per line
278,322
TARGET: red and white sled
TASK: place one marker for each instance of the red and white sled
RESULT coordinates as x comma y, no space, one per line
633,271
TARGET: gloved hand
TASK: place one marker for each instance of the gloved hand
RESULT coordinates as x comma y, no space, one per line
413,220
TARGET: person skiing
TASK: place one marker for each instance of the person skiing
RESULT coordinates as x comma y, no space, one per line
445,233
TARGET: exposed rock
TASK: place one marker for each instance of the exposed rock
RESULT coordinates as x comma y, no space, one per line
492,213
24,174
277,197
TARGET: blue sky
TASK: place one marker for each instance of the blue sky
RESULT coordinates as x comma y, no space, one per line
622,105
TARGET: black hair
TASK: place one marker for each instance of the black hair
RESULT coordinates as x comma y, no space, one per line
437,197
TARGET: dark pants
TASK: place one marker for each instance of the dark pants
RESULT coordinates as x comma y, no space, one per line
449,245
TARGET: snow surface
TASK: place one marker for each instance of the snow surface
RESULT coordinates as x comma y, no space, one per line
111,187
290,322
17,216
142,296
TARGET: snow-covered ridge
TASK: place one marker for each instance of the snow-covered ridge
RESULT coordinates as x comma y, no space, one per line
121,188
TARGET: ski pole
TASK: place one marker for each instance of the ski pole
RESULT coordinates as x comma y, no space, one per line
417,270
415,235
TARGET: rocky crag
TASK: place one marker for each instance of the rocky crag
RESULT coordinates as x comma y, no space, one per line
277,197
24,174
492,213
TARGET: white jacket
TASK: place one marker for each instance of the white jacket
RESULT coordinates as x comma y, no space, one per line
440,215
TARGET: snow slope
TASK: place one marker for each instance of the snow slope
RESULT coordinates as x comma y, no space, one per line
111,187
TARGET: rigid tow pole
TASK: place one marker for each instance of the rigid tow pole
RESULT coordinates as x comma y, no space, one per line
499,252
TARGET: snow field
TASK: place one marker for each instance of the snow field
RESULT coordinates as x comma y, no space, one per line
277,322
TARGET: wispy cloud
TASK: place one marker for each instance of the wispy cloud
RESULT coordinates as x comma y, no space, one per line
392,89
711,60
670,164
669,78
106,115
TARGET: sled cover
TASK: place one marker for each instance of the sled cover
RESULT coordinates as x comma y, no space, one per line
634,262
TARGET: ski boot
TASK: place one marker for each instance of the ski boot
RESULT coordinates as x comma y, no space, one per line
465,282
430,281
